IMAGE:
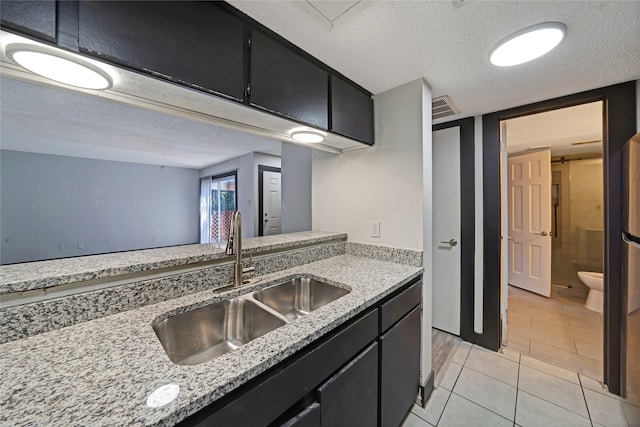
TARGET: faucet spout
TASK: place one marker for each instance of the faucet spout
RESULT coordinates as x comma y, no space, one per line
234,246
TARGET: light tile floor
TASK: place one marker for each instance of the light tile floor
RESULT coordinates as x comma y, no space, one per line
484,388
558,330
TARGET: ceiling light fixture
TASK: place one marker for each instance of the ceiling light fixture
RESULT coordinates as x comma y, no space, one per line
307,136
59,66
527,44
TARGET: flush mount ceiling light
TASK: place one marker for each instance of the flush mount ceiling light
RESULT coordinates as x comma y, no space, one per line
527,44
307,136
59,66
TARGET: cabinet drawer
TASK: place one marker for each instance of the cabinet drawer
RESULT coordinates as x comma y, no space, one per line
194,43
394,309
350,397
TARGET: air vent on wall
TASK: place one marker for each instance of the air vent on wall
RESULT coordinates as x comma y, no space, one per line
442,107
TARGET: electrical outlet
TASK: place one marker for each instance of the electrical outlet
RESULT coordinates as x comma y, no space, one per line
80,245
375,229
60,246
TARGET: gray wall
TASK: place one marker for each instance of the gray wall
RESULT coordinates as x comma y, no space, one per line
296,188
56,206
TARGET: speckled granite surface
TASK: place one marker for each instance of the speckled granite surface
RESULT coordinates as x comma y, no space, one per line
101,372
384,253
35,318
43,274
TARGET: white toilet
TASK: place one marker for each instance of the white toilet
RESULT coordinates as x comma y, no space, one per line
595,282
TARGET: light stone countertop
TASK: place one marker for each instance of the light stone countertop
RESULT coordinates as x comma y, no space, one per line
101,372
43,274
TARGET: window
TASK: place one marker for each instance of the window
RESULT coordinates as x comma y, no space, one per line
218,200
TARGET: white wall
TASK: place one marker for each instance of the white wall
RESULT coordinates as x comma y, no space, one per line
382,183
385,183
243,165
57,206
296,188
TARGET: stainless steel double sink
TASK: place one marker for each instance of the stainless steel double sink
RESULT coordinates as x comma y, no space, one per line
201,335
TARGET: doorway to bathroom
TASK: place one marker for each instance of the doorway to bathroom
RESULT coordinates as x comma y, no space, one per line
553,230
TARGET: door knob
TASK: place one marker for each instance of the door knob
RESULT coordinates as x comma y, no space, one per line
452,242
542,233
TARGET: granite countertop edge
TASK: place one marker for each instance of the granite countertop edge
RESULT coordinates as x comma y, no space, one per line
44,274
136,363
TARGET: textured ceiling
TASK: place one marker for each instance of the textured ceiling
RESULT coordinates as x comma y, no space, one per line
388,43
50,120
559,130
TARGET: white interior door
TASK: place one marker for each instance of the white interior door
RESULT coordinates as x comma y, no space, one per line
446,230
271,203
529,182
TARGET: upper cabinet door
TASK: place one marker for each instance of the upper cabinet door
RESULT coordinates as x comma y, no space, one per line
36,18
351,111
193,43
286,83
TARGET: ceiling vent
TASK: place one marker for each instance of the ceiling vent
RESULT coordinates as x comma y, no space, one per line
442,107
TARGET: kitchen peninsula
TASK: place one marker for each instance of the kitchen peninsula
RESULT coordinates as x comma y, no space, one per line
103,371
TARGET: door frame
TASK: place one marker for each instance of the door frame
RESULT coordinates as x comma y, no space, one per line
467,227
261,170
234,174
619,124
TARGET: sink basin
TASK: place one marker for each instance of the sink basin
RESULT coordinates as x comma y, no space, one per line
203,334
298,297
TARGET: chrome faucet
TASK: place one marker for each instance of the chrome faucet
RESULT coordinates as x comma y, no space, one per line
234,247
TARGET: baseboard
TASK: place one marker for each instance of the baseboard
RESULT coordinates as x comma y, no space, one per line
426,390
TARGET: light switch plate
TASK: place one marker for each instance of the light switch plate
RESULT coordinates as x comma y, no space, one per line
375,229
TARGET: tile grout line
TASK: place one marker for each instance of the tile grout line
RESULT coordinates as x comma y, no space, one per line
444,408
585,400
515,409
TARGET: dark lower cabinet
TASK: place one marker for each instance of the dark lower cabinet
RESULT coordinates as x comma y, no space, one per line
400,369
350,397
37,18
189,42
286,83
351,111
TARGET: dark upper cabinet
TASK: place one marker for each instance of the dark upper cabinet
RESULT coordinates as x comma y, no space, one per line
351,111
284,82
193,43
37,18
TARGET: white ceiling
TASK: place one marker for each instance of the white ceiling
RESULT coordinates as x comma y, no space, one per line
388,43
567,131
52,120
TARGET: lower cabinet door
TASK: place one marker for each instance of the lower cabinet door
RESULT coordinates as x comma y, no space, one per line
399,369
350,397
